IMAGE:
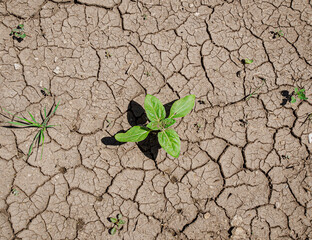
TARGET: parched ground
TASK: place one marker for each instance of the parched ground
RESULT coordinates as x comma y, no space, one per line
245,169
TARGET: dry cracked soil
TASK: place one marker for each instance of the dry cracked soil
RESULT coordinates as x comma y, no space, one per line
245,169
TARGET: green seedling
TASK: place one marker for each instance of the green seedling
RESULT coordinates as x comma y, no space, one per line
43,126
198,126
247,61
168,138
18,33
107,54
300,94
147,74
118,222
277,33
45,92
256,90
14,191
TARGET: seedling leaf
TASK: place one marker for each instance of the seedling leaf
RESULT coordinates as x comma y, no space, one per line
119,216
169,140
134,134
32,144
293,99
32,117
113,220
153,126
20,124
182,107
248,61
155,111
122,222
113,231
167,122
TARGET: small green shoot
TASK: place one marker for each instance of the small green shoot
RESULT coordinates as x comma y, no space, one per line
300,94
147,74
198,126
43,126
18,33
247,61
14,191
118,222
107,54
168,138
45,92
277,34
256,90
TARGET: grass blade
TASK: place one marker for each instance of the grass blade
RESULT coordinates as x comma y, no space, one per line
42,138
20,124
45,112
32,117
23,119
55,108
32,144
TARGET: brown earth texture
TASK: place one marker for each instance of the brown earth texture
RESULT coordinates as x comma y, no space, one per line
245,168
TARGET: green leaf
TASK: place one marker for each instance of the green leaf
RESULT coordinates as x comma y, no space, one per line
21,25
23,35
167,122
248,61
122,222
293,99
32,117
113,220
155,111
55,108
182,107
20,124
153,126
119,216
296,90
45,112
113,231
134,134
42,139
32,144
169,140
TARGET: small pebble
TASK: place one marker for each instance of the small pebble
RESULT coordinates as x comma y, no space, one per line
310,138
196,14
57,70
207,215
17,66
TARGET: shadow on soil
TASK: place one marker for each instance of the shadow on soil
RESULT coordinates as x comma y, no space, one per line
136,116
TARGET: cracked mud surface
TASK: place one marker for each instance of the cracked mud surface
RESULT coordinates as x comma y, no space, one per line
245,169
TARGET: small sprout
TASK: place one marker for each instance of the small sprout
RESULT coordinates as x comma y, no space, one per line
285,156
18,33
300,94
277,34
144,16
243,122
256,90
247,61
45,92
109,122
107,54
118,222
198,126
14,192
147,74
